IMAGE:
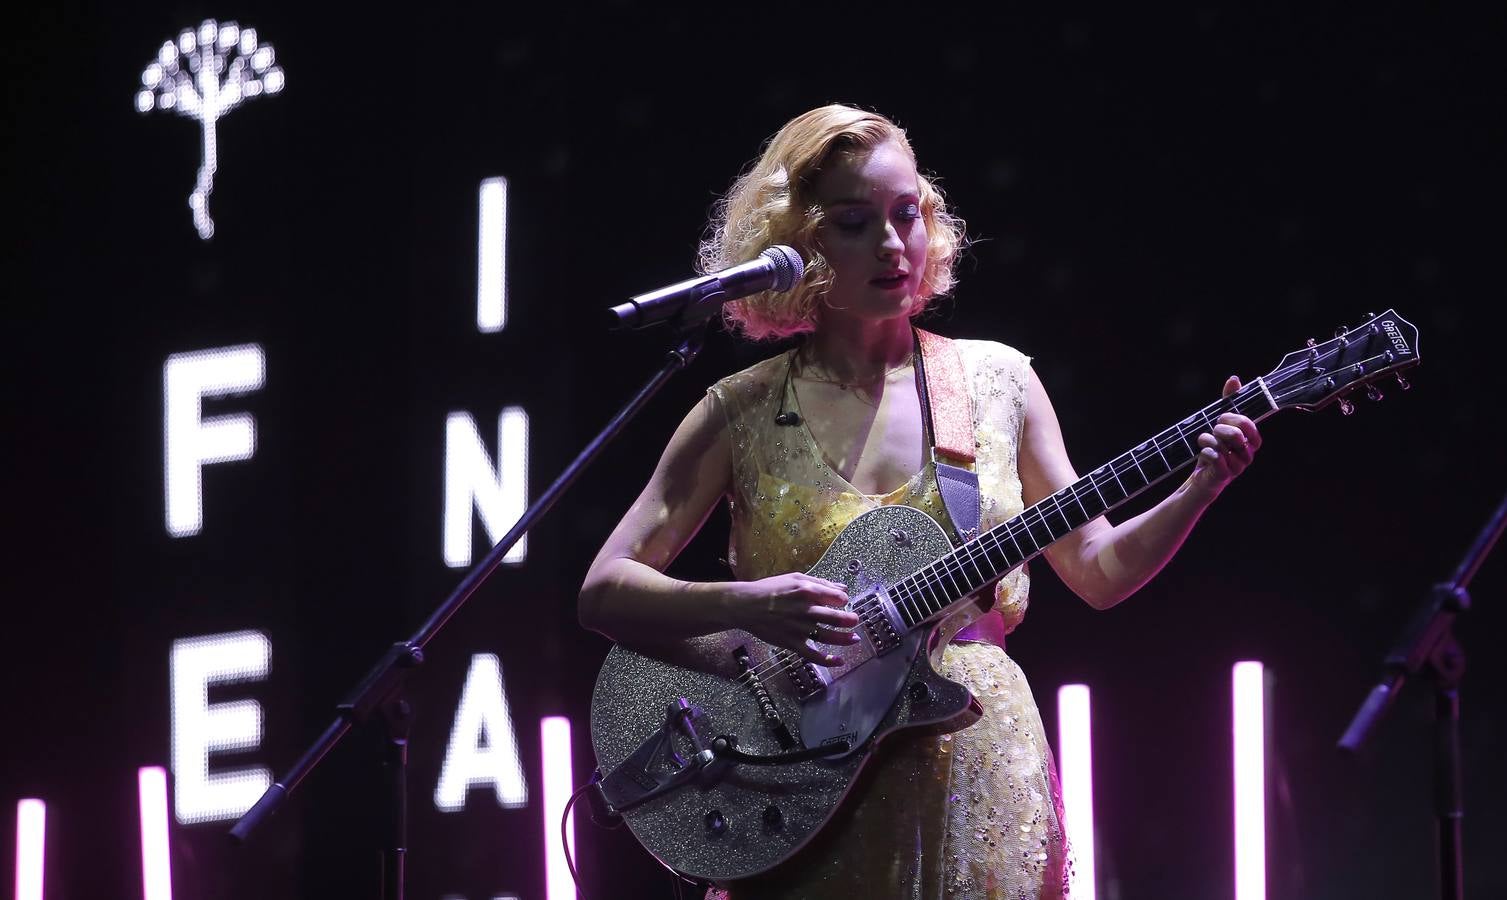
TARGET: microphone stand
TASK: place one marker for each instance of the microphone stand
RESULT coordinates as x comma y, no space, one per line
381,690
1428,644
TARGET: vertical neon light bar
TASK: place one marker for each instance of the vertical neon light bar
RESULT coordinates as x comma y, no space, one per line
491,257
1249,689
31,832
554,732
1075,749
156,863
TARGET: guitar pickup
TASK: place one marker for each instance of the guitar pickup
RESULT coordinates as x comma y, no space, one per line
885,630
808,680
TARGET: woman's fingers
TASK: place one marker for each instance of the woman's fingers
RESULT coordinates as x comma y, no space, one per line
811,648
832,593
1214,461
1243,425
832,617
1231,439
830,600
836,637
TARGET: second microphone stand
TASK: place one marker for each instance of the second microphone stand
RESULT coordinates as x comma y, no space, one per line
1428,646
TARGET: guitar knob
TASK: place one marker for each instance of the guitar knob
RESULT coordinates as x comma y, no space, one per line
919,692
1373,393
774,820
716,824
1346,407
1404,383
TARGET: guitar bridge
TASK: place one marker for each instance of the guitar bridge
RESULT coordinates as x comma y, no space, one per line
771,713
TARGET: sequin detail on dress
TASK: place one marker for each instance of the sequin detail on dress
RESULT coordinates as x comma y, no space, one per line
973,814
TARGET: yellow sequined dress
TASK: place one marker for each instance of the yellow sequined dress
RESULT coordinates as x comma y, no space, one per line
973,814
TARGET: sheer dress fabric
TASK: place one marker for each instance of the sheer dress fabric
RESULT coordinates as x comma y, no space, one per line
973,814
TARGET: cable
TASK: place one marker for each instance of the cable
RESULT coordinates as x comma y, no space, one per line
565,841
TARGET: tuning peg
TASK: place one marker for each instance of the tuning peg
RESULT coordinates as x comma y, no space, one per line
1373,393
1403,382
1346,407
1341,331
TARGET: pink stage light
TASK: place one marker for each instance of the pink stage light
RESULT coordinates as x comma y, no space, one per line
559,782
31,835
156,860
1249,689
1075,762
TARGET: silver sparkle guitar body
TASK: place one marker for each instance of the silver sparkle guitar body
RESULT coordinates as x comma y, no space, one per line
728,820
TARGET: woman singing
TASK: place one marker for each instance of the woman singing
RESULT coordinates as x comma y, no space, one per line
801,443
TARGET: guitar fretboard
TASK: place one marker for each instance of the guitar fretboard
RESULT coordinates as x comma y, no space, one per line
979,563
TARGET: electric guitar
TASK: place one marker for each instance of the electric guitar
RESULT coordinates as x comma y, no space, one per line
725,755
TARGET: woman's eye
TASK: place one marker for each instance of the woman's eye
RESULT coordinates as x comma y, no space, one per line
910,212
851,223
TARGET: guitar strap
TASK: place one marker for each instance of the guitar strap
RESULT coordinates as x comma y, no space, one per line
947,415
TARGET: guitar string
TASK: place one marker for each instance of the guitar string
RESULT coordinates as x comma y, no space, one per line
969,553
787,661
953,566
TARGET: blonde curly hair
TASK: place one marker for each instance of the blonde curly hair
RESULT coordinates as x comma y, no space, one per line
773,202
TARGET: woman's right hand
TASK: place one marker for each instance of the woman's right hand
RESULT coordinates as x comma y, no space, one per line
796,611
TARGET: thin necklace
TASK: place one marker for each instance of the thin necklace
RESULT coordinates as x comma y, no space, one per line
826,378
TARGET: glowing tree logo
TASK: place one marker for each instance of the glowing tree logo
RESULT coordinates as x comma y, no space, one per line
204,75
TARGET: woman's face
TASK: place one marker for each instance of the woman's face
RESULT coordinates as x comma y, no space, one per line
872,233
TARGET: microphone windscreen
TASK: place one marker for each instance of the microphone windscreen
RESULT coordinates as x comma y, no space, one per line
788,266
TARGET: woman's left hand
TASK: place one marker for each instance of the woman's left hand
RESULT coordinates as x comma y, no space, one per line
1226,451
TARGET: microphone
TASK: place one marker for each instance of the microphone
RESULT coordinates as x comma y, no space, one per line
776,269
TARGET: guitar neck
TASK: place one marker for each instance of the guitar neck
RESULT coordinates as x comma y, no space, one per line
933,590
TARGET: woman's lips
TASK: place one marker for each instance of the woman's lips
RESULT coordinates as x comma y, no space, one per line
892,280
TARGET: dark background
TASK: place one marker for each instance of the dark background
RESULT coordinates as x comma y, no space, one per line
1158,197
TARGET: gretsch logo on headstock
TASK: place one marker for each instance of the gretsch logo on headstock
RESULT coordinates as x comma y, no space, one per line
1399,343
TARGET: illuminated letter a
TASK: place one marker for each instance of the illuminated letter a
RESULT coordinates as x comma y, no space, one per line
483,748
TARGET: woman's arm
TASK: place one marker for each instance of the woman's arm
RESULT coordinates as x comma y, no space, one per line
1104,563
627,596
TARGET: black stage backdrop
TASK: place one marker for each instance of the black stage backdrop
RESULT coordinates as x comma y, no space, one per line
1159,197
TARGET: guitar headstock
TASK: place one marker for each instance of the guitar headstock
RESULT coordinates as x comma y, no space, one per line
1327,371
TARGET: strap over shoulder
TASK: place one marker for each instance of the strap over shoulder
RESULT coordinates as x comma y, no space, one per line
949,395
949,405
